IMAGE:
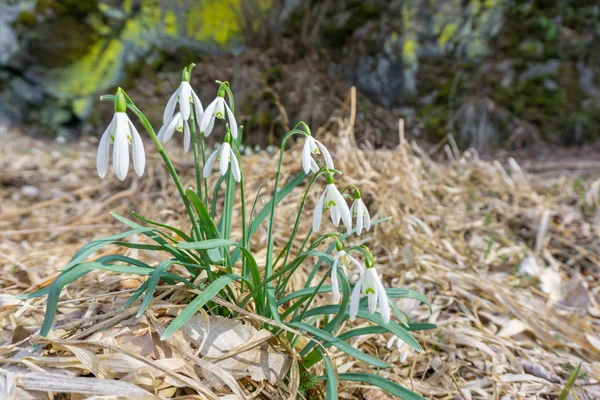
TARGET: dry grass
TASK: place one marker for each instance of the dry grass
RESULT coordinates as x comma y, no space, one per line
459,230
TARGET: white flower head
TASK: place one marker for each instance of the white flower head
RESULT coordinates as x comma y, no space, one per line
360,213
217,109
395,339
371,286
177,123
312,147
341,259
332,200
226,156
184,96
121,133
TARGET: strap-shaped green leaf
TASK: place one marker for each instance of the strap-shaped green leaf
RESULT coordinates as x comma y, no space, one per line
340,344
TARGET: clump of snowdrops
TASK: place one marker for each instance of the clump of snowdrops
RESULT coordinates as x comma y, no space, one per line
216,265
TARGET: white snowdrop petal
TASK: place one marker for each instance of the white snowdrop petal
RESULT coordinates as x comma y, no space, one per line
175,122
335,290
235,167
318,214
209,163
313,166
306,158
137,150
355,297
233,127
359,217
198,109
186,136
384,306
334,212
224,158
207,117
121,147
367,218
104,149
390,342
185,95
170,108
326,155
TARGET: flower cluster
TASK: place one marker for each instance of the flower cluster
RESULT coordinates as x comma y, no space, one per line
183,109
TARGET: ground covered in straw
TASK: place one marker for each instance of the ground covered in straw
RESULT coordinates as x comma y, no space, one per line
460,229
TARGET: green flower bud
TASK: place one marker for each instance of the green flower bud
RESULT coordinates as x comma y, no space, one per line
120,102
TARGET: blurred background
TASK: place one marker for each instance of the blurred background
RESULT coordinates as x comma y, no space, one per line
498,74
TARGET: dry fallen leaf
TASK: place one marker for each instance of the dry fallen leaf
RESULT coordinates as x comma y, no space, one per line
262,362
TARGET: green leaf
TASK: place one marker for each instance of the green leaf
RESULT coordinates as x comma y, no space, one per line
176,231
569,385
340,344
331,381
73,274
391,326
191,309
382,383
206,222
207,244
152,283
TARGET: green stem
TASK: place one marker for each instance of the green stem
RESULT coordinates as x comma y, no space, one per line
270,243
196,154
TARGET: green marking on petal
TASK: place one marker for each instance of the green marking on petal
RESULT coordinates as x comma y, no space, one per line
331,203
129,139
370,291
112,138
180,128
316,151
219,115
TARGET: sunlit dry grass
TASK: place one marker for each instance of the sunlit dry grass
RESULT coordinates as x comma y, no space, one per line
458,232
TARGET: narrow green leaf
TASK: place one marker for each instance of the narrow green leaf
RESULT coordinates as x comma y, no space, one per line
569,385
331,381
392,326
73,274
176,231
205,220
207,244
152,283
191,309
340,344
382,383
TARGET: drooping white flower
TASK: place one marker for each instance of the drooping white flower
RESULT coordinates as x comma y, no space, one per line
360,212
333,200
226,156
341,259
177,123
311,147
372,287
395,339
217,109
184,96
121,133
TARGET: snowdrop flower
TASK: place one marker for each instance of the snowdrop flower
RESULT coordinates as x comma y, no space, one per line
217,109
226,156
360,212
372,287
121,133
313,146
333,200
177,123
395,339
184,95
341,259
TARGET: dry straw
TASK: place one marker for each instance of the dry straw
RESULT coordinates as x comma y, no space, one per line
459,230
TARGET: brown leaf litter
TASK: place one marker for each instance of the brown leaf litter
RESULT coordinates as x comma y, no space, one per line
460,232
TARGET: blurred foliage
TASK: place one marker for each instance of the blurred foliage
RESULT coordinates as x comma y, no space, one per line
495,72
